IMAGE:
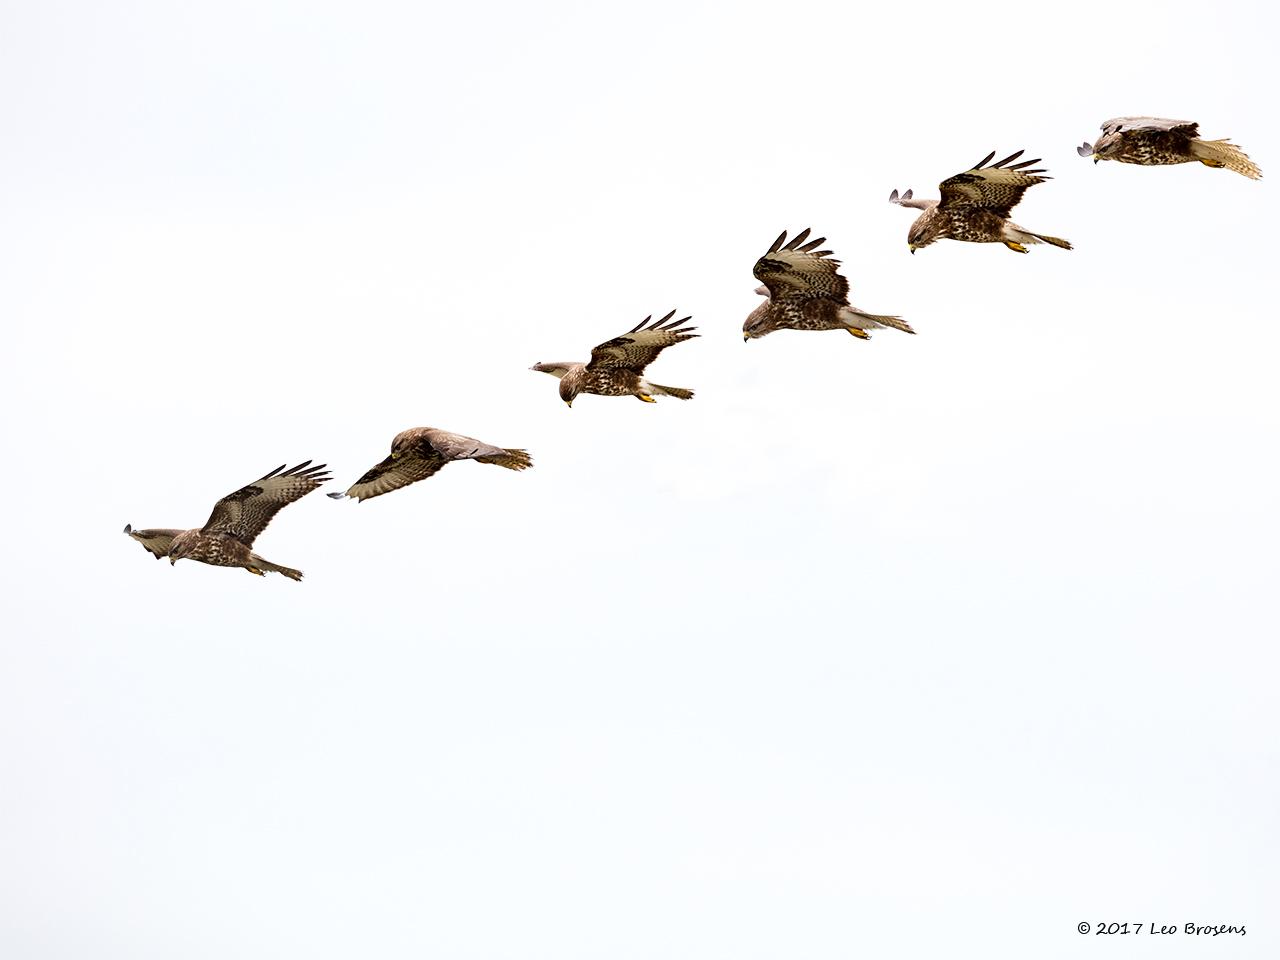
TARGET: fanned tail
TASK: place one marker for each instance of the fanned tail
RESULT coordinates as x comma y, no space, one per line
511,459
1222,153
680,393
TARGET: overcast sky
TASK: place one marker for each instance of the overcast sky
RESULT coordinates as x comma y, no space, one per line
928,646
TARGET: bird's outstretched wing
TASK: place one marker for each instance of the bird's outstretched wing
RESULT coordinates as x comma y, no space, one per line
1124,124
246,513
156,541
905,201
640,346
997,187
392,474
799,267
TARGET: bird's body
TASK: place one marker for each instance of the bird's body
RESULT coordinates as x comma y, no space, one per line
975,207
421,452
608,381
1155,142
237,519
804,290
616,367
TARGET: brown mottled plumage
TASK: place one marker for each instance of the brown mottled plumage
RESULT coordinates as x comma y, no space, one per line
975,207
616,367
804,290
420,452
236,521
1152,142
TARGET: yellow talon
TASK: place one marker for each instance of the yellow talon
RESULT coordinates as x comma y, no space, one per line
255,571
860,334
1015,246
1212,163
646,398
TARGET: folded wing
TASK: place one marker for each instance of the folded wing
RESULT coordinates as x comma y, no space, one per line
1122,124
799,267
455,446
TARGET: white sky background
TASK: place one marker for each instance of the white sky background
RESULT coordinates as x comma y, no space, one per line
928,646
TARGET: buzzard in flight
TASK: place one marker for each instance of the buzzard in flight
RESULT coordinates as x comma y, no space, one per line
975,207
420,452
236,521
803,290
1151,142
616,367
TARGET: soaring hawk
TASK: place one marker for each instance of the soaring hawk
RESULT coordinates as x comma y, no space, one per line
975,207
236,521
420,452
803,290
1151,142
616,367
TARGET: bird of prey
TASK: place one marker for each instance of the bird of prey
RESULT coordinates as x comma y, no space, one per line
803,290
1151,142
420,452
236,521
975,206
616,367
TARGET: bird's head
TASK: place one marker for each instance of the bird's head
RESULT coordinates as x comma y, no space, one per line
1107,147
401,444
759,322
181,546
568,390
926,230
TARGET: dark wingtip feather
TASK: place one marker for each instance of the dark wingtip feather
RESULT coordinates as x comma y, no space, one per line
777,244
984,161
1012,156
798,239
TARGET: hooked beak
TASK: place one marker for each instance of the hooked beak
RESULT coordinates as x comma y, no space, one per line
1096,158
913,248
172,560
746,337
394,455
569,404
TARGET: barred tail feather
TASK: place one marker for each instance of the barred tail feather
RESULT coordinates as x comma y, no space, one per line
266,566
862,321
879,319
1222,153
680,393
511,459
1056,241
